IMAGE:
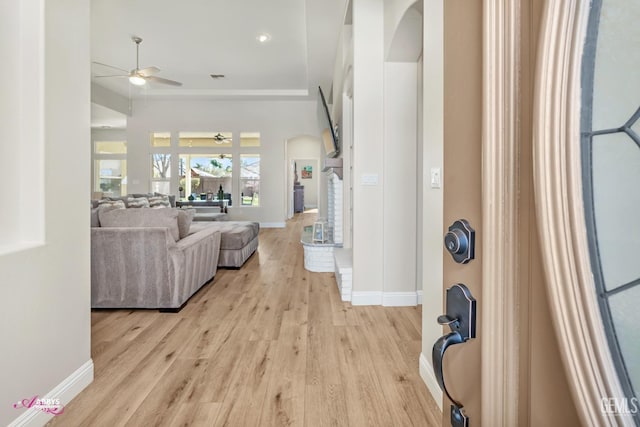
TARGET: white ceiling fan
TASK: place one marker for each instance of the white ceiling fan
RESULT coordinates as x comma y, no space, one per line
139,76
220,138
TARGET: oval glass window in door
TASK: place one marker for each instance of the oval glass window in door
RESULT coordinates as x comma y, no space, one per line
610,123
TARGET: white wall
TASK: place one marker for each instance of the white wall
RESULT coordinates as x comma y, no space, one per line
275,120
399,206
368,158
394,12
45,317
432,201
21,108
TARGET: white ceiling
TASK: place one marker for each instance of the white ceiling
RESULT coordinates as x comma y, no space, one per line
189,40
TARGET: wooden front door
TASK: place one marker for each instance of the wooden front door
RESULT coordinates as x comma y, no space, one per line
462,187
510,374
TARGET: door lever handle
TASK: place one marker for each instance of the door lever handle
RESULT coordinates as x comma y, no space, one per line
437,356
461,319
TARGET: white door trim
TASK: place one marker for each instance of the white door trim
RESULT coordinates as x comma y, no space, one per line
501,308
560,213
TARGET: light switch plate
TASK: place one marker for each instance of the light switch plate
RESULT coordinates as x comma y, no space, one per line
369,179
436,180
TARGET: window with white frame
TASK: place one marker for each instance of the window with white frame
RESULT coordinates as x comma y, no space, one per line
250,179
160,143
205,174
161,173
205,162
110,168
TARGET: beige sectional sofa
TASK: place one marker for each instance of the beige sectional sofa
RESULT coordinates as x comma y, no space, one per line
146,258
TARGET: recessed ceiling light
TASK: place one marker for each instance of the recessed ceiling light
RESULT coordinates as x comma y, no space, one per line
264,37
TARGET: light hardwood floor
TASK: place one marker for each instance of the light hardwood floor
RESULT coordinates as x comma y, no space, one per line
270,344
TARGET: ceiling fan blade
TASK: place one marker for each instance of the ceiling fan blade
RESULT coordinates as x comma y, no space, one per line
112,75
163,81
110,66
149,71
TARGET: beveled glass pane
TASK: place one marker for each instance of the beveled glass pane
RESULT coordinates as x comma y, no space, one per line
205,139
616,195
111,147
626,318
616,92
161,139
250,139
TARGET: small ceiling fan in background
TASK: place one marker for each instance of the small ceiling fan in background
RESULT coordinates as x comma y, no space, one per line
220,138
140,76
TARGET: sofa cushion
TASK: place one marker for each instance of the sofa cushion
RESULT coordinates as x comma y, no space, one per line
137,202
142,218
234,234
95,221
185,217
106,205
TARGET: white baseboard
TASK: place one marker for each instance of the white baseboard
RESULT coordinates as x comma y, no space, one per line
272,225
399,299
387,299
65,391
419,293
429,378
366,298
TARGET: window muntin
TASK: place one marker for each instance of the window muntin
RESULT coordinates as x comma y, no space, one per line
611,177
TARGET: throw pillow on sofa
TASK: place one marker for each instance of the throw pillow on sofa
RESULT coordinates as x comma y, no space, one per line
137,202
142,218
159,202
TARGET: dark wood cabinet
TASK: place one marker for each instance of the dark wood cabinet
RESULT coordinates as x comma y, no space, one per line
298,198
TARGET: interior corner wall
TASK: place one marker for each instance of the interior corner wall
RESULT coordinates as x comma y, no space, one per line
432,201
400,149
368,158
45,324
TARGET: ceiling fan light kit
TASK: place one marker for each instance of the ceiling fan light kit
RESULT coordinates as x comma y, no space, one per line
137,80
139,76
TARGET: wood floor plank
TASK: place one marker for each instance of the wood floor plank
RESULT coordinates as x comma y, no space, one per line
194,415
270,344
285,400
